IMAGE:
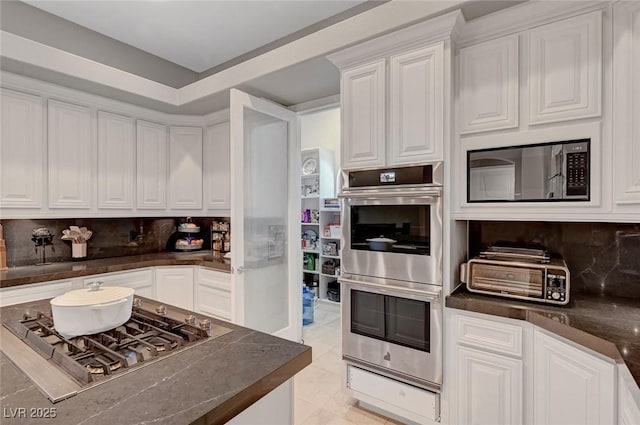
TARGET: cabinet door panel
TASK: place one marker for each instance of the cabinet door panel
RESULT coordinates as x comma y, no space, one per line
174,286
217,167
628,409
151,143
489,85
489,388
115,161
626,127
565,69
69,152
185,169
22,149
363,116
571,386
417,105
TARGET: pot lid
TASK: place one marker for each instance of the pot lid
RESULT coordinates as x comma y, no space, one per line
382,239
90,296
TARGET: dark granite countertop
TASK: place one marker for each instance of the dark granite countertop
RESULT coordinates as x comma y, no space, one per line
206,384
609,326
66,270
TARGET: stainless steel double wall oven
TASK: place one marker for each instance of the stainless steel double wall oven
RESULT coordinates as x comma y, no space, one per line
392,272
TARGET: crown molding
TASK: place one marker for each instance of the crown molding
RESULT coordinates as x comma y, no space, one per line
430,31
523,17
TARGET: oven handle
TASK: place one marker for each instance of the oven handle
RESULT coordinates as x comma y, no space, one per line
428,295
376,194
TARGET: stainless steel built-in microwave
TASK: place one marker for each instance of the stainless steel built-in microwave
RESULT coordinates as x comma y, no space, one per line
558,171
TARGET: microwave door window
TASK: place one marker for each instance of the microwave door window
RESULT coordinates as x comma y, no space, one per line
367,314
407,322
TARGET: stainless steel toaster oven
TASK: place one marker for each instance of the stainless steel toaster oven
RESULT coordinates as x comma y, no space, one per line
546,283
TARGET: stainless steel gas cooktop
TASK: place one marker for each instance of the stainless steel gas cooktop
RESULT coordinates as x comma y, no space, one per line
61,367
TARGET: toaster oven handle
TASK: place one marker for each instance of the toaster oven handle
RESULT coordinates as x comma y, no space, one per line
464,269
428,295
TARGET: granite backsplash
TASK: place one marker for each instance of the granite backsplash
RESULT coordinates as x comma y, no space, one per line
112,237
603,258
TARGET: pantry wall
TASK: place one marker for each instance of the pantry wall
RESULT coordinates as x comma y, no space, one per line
320,129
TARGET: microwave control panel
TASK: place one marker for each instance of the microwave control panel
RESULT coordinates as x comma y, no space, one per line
577,173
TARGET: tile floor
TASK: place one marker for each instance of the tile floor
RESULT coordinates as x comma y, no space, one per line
320,395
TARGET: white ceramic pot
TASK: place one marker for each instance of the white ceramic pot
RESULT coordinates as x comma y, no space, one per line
92,310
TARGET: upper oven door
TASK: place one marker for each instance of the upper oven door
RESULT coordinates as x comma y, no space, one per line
393,234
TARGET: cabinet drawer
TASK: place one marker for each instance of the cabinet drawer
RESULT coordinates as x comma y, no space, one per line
396,397
140,280
489,335
38,291
214,279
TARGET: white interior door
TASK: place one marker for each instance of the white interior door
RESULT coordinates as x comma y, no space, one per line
265,216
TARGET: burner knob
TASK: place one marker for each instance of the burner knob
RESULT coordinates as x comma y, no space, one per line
190,319
205,324
137,302
161,309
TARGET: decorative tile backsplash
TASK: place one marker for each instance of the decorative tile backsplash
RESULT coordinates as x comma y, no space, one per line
112,237
603,258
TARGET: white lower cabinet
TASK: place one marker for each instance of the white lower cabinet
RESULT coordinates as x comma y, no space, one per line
34,292
628,398
140,280
496,372
486,377
213,293
489,388
174,286
570,386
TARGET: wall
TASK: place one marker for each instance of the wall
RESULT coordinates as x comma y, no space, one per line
111,237
603,258
321,129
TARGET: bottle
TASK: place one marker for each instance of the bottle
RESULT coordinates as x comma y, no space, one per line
307,306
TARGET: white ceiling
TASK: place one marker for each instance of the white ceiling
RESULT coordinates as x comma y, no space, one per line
198,35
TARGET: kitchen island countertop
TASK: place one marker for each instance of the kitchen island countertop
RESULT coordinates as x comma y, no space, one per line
25,275
206,384
609,326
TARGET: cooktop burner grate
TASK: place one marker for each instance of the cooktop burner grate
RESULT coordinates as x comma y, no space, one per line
146,337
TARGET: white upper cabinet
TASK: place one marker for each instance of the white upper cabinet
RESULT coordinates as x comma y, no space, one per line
69,154
363,116
571,386
626,107
565,69
185,168
416,106
151,141
116,161
489,85
217,167
395,95
22,150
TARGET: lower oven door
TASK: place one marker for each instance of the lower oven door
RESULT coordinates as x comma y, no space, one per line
394,327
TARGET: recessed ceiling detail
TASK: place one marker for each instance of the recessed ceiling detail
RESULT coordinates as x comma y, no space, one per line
198,35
